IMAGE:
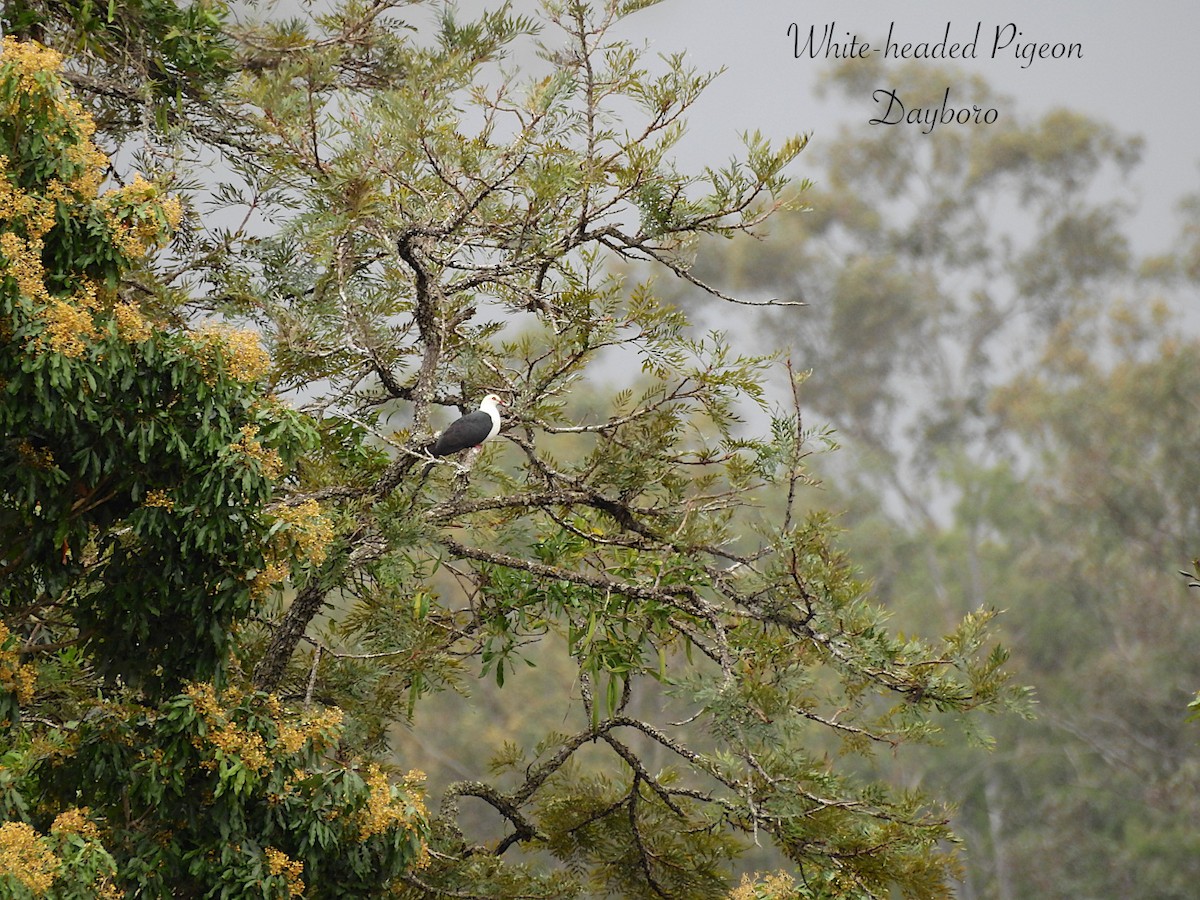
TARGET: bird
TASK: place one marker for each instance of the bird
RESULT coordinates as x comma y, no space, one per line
471,430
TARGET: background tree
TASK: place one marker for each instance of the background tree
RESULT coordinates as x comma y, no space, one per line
412,226
1016,402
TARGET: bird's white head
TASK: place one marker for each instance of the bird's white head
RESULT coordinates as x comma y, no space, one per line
491,405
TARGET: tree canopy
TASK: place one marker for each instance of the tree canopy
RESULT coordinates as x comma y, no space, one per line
231,571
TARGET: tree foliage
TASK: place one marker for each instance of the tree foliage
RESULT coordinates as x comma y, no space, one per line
1017,397
139,459
226,584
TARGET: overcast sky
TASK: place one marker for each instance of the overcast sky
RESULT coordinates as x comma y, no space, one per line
1138,68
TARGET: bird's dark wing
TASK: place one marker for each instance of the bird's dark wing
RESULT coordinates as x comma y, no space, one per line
468,431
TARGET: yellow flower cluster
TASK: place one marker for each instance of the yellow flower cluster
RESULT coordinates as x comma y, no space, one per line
275,572
308,536
17,206
385,810
25,858
22,259
76,820
172,211
268,459
27,59
226,736
34,457
15,678
311,529
34,216
28,63
69,323
250,746
319,728
246,360
782,886
244,356
158,498
131,324
138,218
291,738
775,886
89,161
278,863
138,215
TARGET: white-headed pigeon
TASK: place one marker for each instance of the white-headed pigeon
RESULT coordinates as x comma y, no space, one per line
471,430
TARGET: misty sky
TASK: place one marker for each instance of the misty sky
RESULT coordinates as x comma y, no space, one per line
1139,70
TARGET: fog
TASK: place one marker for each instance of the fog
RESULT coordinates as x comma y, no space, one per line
1135,69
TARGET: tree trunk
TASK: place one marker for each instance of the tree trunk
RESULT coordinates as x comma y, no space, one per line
995,818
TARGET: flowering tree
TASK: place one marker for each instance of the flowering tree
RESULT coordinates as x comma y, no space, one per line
233,575
139,458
